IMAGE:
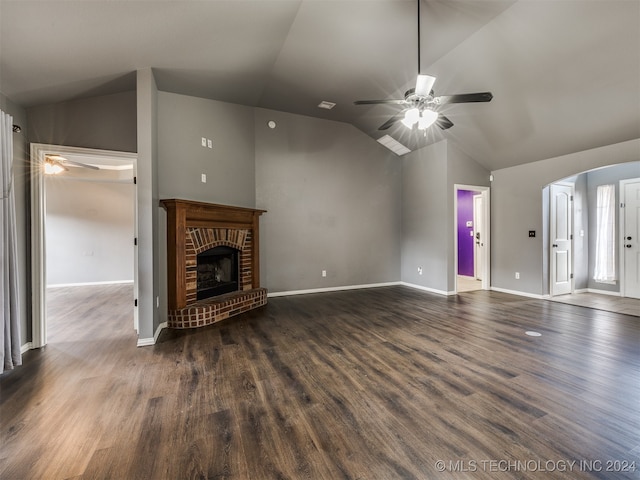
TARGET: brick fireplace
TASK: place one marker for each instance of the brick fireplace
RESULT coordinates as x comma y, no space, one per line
194,228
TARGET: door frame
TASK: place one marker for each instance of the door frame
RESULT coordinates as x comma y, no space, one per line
486,202
621,230
38,231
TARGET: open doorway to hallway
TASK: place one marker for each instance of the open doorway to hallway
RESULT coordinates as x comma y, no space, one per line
472,238
84,224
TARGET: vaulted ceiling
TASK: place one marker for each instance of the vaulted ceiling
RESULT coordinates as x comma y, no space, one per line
565,75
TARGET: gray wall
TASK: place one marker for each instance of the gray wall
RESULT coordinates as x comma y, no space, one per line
606,176
107,122
516,208
580,242
89,231
149,215
333,201
428,188
21,179
424,217
229,165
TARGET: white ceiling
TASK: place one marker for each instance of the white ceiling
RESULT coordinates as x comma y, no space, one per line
565,74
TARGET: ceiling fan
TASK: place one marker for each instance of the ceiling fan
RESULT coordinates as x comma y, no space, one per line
55,164
421,105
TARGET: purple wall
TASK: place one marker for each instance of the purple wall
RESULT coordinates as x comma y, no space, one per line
465,241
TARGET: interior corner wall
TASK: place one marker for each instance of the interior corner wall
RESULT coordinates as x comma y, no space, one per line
149,317
516,208
425,215
333,201
21,179
106,122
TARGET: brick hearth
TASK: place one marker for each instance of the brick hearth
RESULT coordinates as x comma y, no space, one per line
194,227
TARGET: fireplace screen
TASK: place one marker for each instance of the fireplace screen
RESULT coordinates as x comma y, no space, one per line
217,272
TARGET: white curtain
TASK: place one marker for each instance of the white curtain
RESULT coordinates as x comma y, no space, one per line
10,332
605,268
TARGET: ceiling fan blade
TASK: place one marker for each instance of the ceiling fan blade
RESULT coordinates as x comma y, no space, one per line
424,84
391,121
443,122
79,164
379,102
465,98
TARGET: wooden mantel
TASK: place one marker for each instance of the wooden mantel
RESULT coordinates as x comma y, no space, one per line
184,214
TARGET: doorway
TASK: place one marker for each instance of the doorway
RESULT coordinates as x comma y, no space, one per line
472,265
77,225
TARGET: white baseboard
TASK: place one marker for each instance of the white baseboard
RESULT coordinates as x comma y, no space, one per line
146,342
330,289
26,347
427,289
603,292
519,293
86,284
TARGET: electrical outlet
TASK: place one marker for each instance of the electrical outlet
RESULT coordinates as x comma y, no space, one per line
203,177
210,143
204,142
517,275
419,270
324,273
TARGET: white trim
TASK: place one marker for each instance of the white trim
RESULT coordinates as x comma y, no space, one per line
26,347
519,293
427,289
38,213
146,342
604,292
330,289
86,284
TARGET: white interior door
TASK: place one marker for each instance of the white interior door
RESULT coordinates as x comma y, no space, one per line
631,238
561,206
478,256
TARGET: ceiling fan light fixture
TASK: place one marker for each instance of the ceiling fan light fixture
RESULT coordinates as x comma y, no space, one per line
411,117
427,118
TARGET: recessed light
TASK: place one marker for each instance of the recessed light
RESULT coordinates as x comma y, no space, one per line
393,145
533,334
271,124
326,105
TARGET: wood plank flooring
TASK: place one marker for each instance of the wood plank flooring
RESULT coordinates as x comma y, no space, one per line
365,384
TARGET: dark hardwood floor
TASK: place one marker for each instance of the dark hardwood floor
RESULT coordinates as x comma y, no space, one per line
366,384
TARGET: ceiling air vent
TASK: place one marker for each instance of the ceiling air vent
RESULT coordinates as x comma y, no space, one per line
326,105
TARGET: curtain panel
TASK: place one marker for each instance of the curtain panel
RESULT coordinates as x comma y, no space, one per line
9,305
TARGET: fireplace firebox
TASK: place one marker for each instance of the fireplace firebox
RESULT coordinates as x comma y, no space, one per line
217,272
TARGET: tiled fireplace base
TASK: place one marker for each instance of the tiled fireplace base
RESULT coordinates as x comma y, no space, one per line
211,310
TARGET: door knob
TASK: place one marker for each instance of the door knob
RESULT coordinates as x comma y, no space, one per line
628,245
554,245
628,238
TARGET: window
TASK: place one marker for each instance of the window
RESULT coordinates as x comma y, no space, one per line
605,262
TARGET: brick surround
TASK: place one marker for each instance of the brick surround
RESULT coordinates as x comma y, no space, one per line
194,227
